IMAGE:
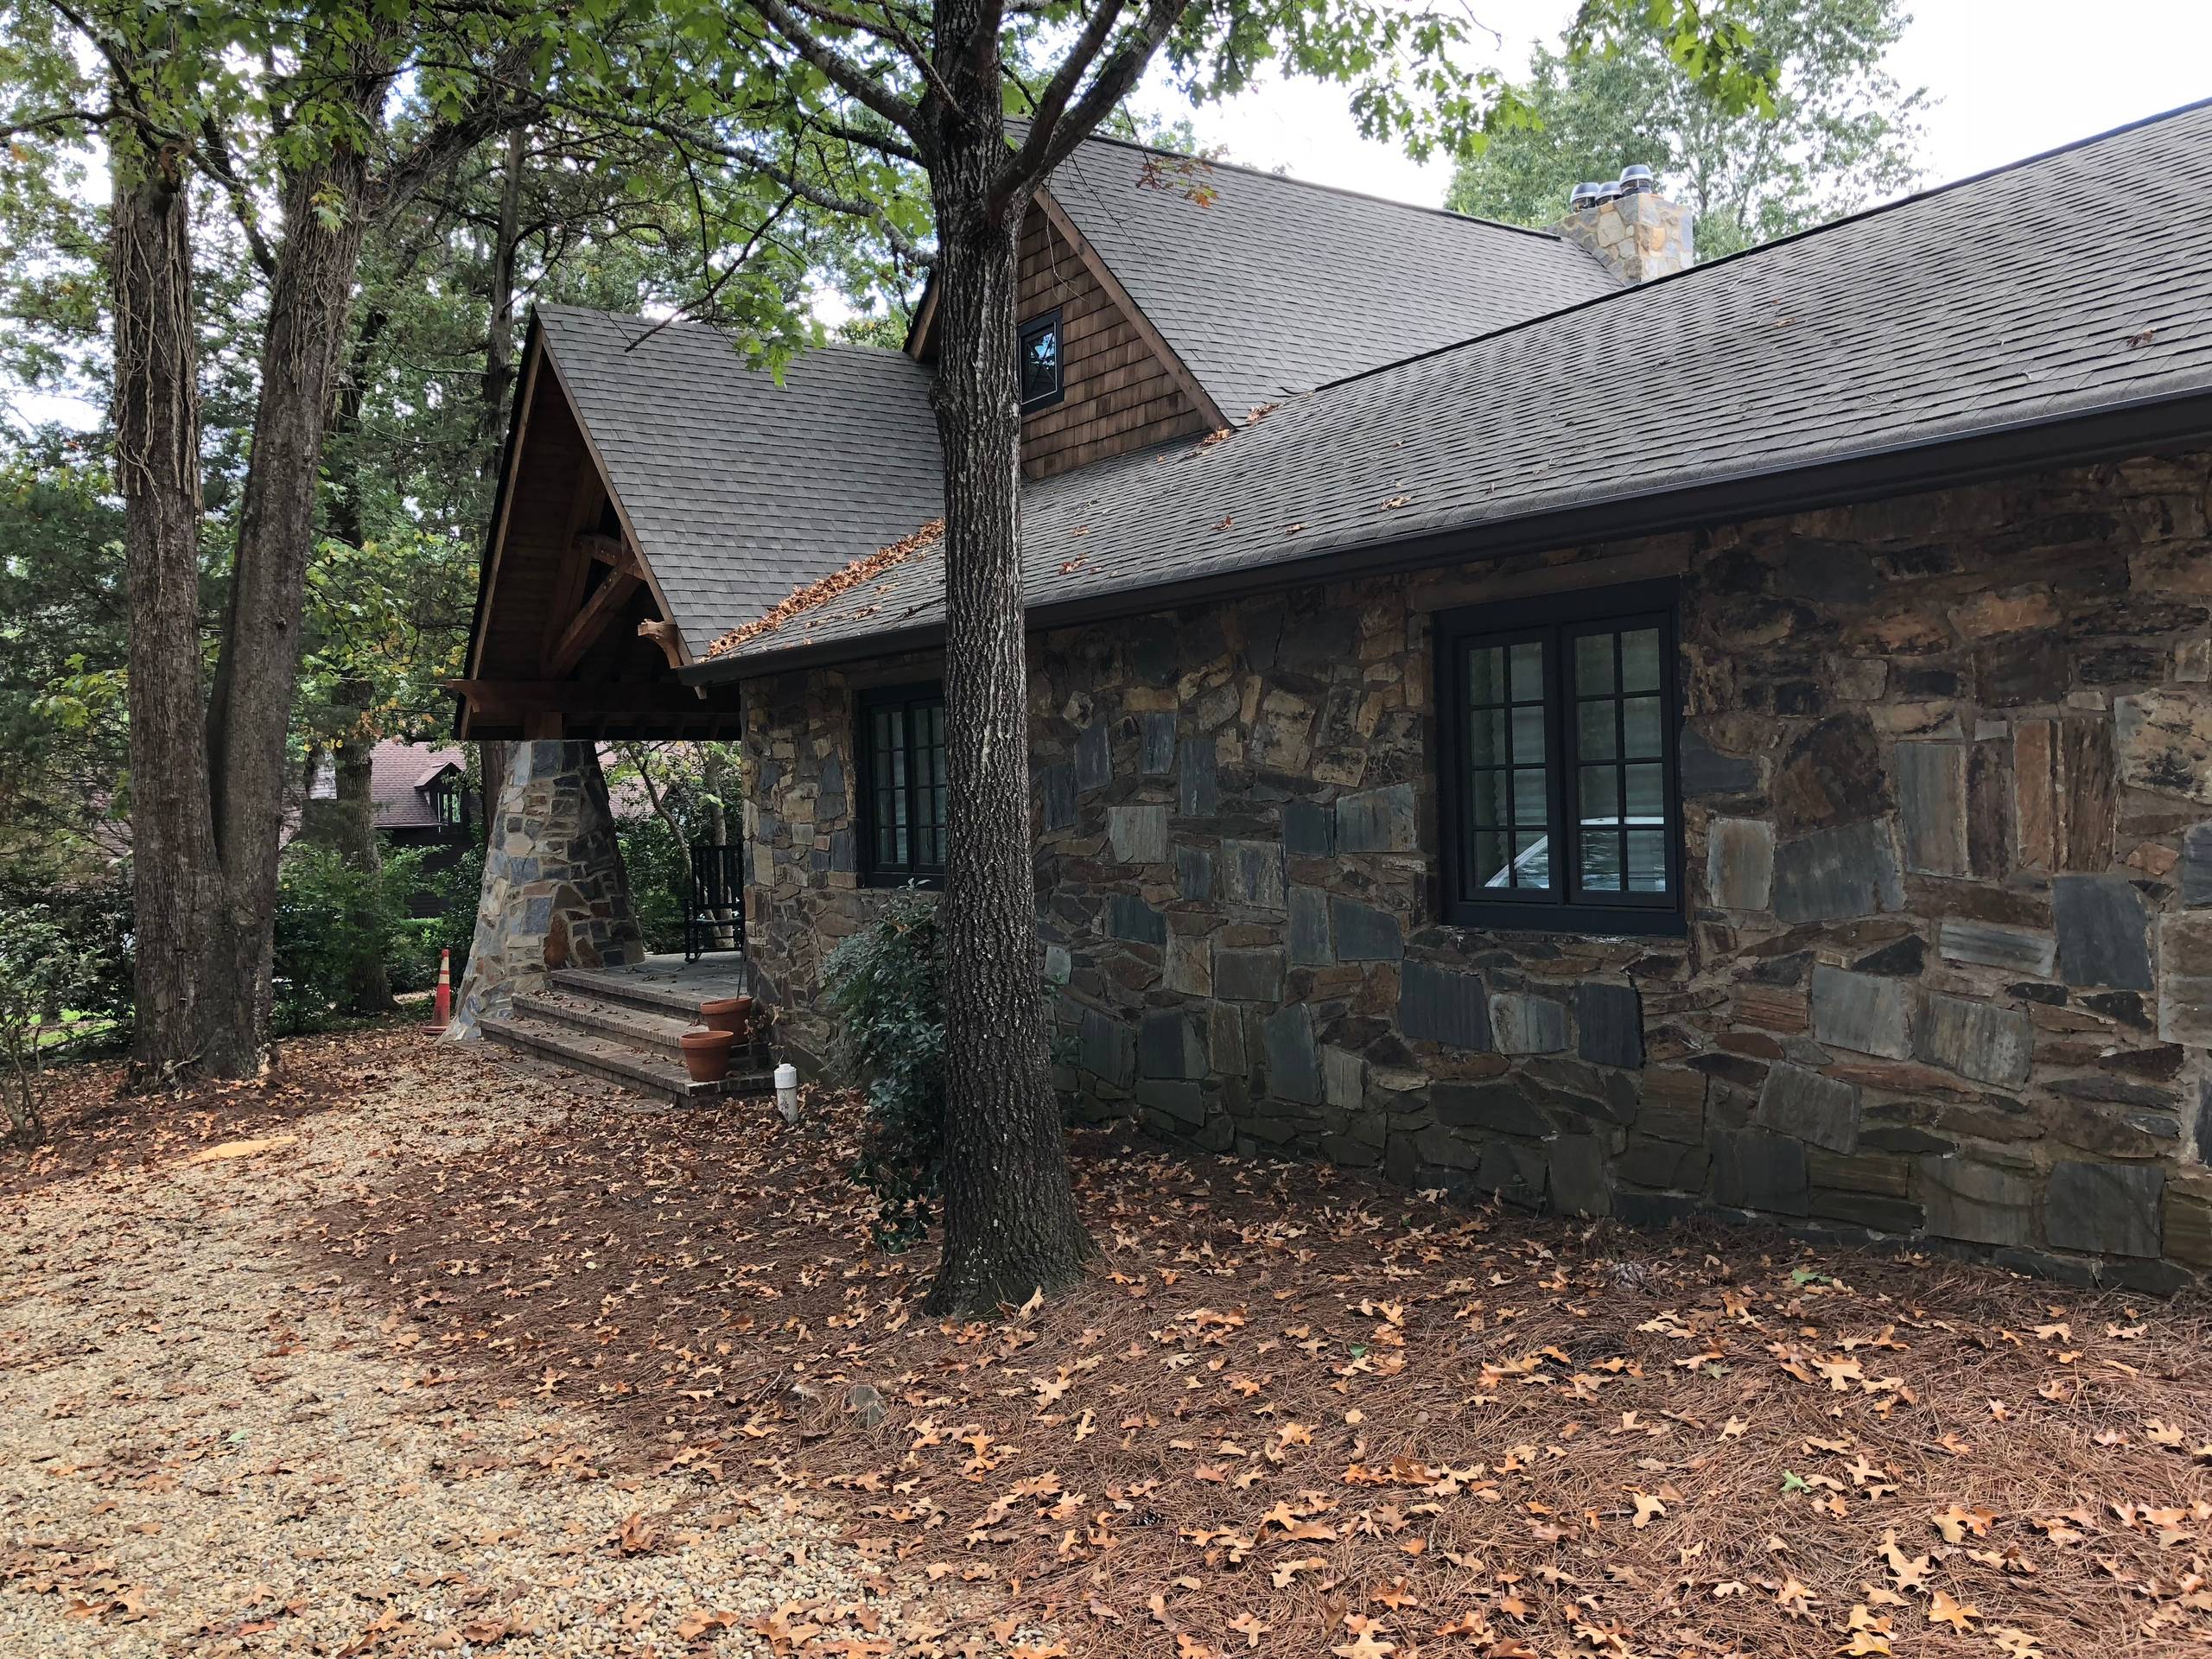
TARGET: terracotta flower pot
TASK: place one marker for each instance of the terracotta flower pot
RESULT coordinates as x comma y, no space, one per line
730,1013
705,1054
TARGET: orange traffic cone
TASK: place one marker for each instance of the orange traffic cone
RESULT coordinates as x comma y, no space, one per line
444,1003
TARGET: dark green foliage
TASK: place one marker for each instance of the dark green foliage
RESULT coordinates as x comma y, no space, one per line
659,871
329,915
45,977
95,917
452,926
881,988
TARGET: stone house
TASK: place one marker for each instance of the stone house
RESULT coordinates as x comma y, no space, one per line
1524,713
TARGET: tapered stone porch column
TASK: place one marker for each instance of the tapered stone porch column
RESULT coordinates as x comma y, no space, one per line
555,893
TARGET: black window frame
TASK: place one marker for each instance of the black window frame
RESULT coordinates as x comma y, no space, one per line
873,871
1043,323
1557,620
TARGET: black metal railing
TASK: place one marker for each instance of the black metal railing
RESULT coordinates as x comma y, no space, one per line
714,902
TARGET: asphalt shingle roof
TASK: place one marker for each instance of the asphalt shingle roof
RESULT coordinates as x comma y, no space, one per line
2055,289
741,489
1272,285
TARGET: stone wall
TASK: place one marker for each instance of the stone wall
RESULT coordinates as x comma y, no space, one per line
555,894
1948,966
1637,237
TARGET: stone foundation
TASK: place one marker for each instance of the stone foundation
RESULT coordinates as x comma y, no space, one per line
1947,973
555,893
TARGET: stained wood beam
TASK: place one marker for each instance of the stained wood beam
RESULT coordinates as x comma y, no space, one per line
590,621
667,636
510,700
610,550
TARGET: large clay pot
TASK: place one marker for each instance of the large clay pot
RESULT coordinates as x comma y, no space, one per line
705,1054
730,1013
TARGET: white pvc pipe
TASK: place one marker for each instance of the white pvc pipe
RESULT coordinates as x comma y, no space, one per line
787,1091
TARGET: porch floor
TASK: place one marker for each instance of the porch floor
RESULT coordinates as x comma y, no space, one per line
721,973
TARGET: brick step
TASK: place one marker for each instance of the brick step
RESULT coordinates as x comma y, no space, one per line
620,1021
613,1061
653,995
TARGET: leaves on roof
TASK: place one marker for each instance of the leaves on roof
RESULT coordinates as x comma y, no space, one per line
814,594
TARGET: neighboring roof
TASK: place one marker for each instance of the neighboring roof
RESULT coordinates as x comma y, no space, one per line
1269,285
739,487
2067,286
398,774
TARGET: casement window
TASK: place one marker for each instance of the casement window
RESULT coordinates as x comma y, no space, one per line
1039,362
445,800
1560,807
901,741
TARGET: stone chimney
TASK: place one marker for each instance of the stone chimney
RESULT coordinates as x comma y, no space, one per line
1634,232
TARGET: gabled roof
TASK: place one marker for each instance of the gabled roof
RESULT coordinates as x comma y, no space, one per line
1265,286
738,487
2059,291
399,774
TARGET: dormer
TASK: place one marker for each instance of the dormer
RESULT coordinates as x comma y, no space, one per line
1175,295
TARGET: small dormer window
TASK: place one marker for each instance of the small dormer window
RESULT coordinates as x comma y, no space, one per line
445,800
1040,361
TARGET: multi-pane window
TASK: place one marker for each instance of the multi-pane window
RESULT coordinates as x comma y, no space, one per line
445,798
902,775
1560,807
1039,361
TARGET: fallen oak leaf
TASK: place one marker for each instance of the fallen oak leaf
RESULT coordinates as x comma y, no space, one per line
1941,1610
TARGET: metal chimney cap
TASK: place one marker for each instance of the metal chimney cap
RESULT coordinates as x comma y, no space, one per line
1583,196
1637,180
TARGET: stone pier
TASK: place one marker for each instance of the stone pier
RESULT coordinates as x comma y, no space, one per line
555,893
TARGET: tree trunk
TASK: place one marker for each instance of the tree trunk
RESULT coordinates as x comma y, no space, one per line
354,832
176,877
1010,1221
310,294
500,354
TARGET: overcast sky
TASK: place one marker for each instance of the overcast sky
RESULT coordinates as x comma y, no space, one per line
2009,78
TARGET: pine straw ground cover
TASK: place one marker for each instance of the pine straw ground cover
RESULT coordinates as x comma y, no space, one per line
1292,1413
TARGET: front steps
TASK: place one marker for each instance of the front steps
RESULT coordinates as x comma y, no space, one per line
622,1026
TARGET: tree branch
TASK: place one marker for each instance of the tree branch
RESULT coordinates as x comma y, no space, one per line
842,71
1045,150
215,155
1045,109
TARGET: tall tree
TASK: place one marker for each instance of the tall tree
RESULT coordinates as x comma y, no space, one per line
1843,131
927,88
310,92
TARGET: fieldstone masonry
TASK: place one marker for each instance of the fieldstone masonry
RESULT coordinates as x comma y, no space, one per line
1947,967
554,894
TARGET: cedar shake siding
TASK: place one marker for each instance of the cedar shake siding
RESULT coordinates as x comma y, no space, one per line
1118,394
1943,967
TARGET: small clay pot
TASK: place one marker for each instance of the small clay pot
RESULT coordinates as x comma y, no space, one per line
706,1053
730,1013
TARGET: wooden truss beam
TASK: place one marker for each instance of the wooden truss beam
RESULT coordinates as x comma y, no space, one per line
590,621
506,701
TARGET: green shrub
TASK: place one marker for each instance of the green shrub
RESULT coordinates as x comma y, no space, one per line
46,976
457,887
100,918
881,988
660,874
330,914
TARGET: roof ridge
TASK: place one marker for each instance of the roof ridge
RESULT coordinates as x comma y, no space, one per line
1539,233
1875,211
660,325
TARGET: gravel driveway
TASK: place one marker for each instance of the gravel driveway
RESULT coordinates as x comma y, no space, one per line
206,1448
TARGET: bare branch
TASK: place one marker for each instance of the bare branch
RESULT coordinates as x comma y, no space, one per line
215,155
1115,79
1045,114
